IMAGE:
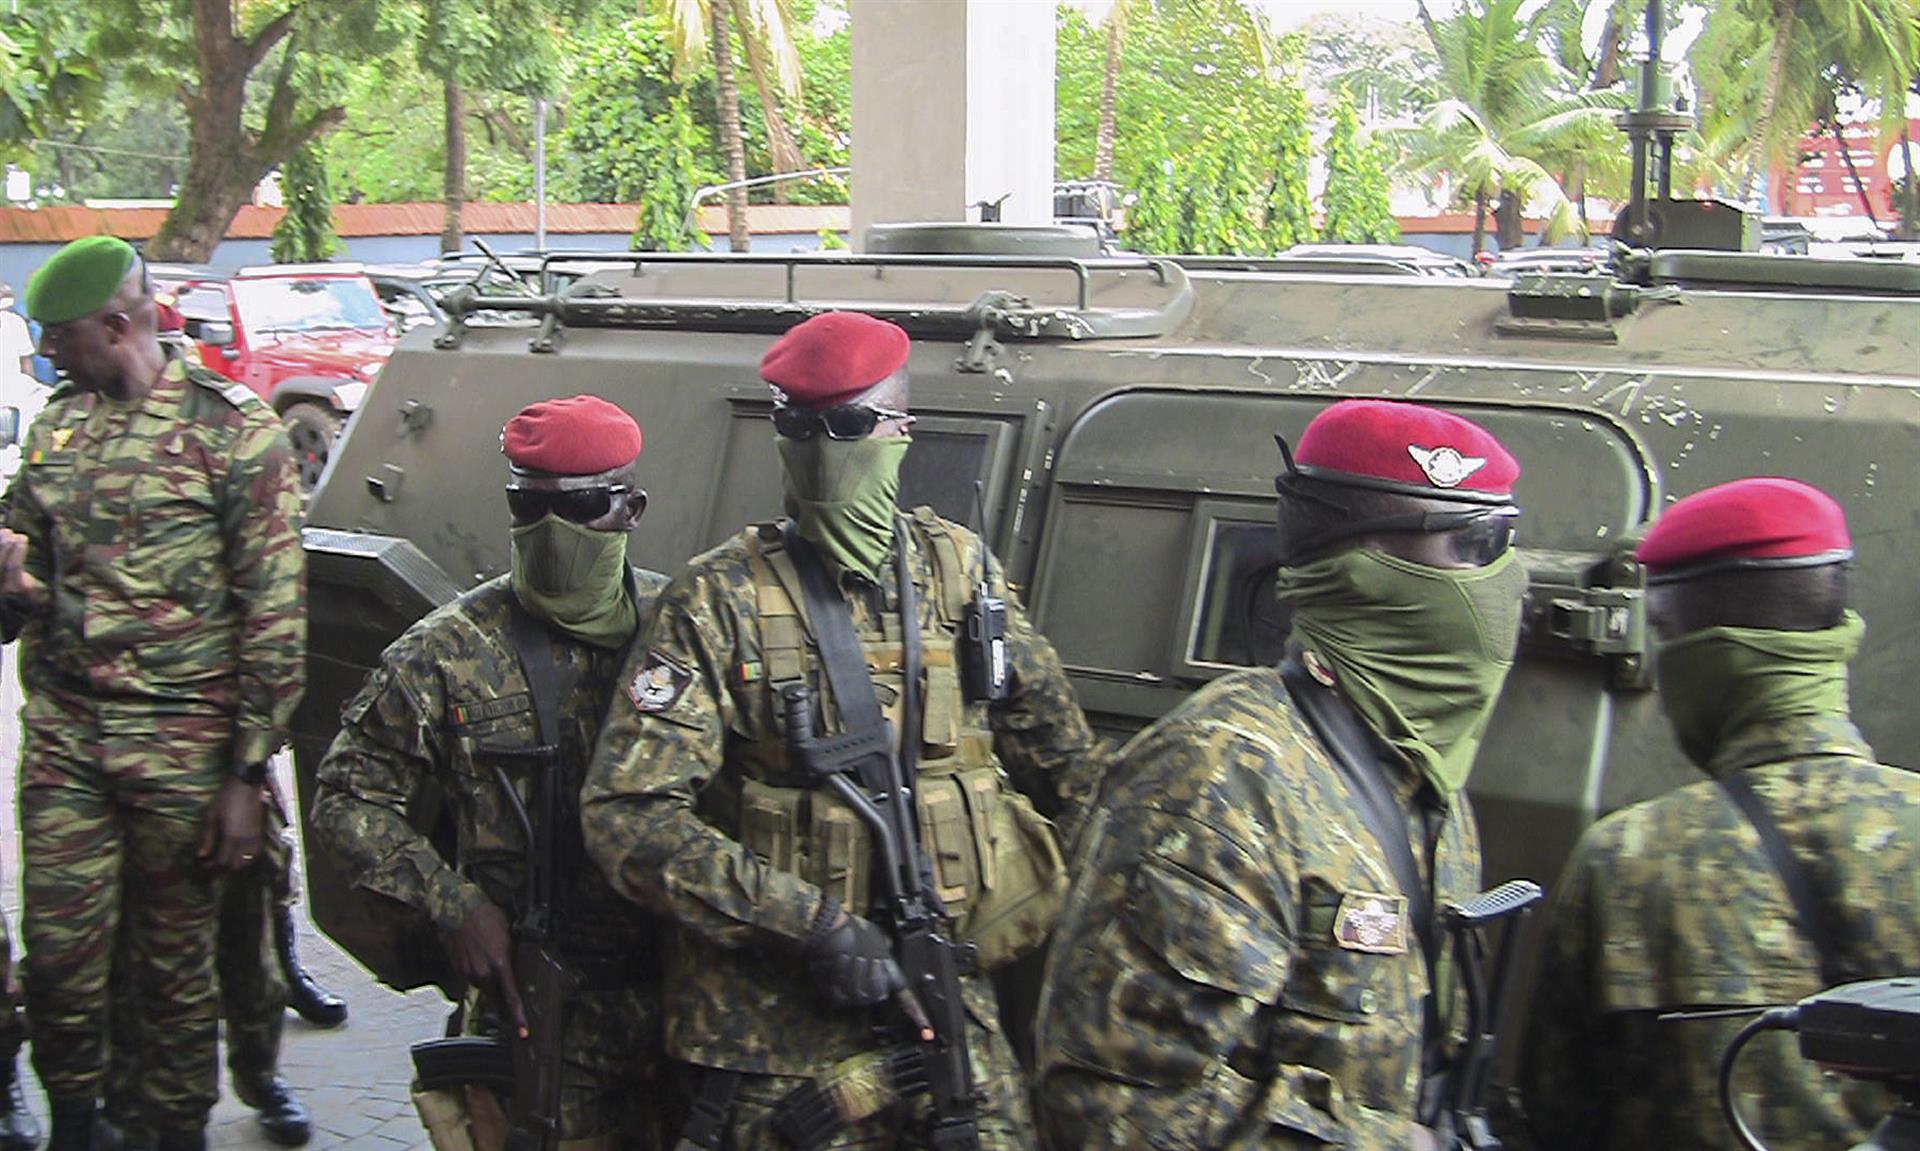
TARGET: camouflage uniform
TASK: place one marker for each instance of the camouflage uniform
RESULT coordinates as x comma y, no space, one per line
1216,980
1673,904
450,702
690,809
253,993
167,532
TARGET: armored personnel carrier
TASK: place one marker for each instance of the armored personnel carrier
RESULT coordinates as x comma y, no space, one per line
1117,414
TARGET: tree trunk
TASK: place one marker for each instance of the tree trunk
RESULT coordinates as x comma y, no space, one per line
1479,221
726,93
1606,70
453,182
225,158
1783,13
1853,173
1506,223
1909,188
1109,98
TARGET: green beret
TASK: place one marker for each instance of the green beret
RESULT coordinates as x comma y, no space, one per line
80,278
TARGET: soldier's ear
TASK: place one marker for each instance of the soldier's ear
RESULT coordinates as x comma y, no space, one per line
636,507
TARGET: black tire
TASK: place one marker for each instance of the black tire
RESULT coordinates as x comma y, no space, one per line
312,430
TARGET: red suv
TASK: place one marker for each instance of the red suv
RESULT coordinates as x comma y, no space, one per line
309,338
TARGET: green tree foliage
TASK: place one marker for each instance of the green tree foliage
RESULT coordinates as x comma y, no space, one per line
1768,69
305,233
1508,113
258,80
46,76
1210,124
1357,209
631,134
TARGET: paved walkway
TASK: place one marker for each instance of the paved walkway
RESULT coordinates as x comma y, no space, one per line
353,1079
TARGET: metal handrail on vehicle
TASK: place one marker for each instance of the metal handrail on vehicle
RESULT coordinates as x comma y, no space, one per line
589,304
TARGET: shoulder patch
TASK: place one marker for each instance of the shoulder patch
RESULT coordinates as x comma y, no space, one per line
239,395
1371,921
659,683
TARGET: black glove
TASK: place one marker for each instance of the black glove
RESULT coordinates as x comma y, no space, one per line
852,961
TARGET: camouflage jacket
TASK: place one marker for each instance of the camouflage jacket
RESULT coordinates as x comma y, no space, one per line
1235,967
739,995
449,702
168,533
1673,904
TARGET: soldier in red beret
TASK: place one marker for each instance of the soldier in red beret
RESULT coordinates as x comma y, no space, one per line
498,697
1792,869
784,990
1249,952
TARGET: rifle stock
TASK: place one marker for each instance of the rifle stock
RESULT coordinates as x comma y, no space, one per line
544,983
931,962
1468,923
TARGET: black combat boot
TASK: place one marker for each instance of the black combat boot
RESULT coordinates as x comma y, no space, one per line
281,1115
79,1126
309,1000
19,1130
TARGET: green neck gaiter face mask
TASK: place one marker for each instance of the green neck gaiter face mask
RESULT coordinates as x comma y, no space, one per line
842,495
1418,652
1716,681
575,578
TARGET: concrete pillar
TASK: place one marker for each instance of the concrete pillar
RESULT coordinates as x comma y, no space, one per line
952,105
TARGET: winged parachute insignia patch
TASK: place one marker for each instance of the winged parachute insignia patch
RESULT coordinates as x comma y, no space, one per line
1371,921
658,684
60,438
1445,467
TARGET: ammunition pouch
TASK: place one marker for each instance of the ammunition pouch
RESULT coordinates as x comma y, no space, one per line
997,865
996,861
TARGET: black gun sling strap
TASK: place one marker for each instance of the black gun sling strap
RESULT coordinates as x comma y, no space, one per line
535,649
1809,914
841,659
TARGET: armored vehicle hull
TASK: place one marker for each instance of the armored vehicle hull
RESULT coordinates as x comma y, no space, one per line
1120,416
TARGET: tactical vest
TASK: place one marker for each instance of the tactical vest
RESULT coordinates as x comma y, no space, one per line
996,861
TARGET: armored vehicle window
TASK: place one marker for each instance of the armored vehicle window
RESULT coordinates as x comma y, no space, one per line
1238,622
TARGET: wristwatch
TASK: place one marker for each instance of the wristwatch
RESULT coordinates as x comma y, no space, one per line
254,773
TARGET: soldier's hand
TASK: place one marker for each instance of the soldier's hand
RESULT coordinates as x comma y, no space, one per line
482,953
852,963
230,835
15,581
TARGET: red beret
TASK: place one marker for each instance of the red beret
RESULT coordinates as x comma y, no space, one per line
1409,448
833,357
1760,522
571,436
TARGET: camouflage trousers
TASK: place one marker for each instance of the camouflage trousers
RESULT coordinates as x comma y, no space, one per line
614,1077
108,832
253,991
1005,1115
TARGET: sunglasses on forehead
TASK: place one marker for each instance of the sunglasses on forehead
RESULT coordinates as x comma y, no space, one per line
576,505
847,422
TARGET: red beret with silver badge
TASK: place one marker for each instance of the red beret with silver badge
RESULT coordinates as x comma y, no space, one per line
1765,521
571,436
1407,448
831,358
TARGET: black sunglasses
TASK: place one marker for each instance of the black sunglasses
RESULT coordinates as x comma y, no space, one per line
1475,536
576,505
847,422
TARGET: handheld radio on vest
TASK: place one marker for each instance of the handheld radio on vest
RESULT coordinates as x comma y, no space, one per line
983,632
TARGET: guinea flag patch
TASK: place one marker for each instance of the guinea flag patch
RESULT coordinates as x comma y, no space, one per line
659,683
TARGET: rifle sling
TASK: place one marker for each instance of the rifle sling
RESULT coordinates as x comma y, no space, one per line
841,660
1810,915
1353,755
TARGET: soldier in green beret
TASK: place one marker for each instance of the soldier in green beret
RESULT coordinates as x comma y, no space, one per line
150,565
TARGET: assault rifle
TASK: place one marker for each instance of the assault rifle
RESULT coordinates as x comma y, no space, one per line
935,1060
1468,923
542,981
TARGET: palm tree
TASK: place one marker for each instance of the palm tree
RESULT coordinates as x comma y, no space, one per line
1752,117
1504,110
1116,29
702,30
